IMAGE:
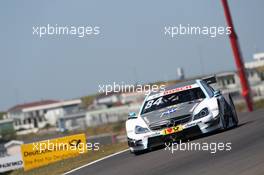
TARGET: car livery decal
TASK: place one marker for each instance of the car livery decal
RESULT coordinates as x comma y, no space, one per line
168,112
171,91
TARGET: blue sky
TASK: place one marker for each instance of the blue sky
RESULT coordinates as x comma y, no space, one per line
131,46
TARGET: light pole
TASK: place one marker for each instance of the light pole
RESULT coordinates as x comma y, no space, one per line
238,60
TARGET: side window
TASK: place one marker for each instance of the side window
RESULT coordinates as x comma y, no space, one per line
208,89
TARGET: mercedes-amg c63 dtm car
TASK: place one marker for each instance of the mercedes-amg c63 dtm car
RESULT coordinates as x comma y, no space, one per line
181,111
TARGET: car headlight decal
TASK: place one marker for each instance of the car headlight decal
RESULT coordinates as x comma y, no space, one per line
141,130
204,112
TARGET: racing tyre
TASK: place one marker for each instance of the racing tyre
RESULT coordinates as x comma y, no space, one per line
233,122
223,122
136,153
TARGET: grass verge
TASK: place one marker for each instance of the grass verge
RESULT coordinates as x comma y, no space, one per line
241,107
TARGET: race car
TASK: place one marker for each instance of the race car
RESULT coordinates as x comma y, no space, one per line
178,112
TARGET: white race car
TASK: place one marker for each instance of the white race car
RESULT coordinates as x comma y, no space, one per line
180,111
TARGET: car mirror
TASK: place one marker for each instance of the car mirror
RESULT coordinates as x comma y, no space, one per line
217,93
132,115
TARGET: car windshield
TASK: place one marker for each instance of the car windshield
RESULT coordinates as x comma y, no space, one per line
172,99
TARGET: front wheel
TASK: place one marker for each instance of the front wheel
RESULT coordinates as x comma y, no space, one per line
139,152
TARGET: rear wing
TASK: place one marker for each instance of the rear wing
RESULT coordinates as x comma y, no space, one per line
210,80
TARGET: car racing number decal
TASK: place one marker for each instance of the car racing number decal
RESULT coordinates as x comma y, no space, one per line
153,102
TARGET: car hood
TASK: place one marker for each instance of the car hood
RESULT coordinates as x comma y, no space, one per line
171,112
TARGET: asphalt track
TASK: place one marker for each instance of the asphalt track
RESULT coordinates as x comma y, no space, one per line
245,158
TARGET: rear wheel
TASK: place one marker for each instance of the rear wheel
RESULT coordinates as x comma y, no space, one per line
223,122
231,111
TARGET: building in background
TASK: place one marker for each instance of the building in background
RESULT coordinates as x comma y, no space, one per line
116,112
7,130
117,99
229,82
62,108
13,147
180,73
110,115
31,117
108,100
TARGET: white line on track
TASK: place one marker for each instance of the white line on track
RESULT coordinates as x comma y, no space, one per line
98,160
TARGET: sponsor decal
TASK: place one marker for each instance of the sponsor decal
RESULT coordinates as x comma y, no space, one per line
172,130
172,91
190,124
168,112
45,152
12,162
